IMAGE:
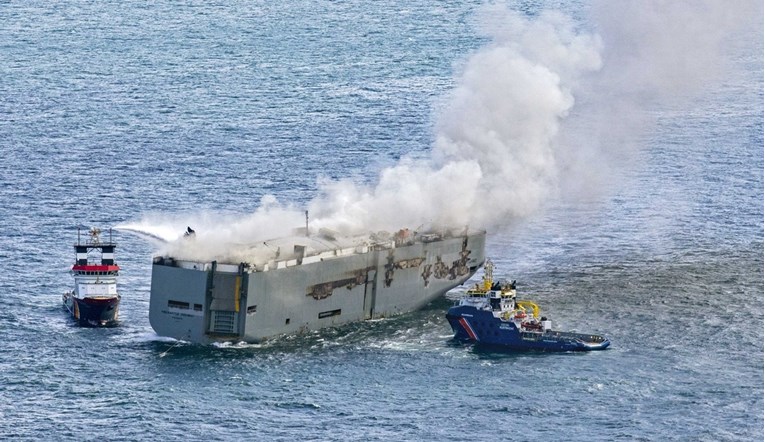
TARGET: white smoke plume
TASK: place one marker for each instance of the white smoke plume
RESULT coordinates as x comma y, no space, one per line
656,55
494,157
218,236
543,102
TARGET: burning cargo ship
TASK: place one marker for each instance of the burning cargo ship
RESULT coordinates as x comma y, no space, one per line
304,283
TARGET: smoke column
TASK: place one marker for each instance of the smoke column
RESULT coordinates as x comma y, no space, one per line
656,55
494,156
543,103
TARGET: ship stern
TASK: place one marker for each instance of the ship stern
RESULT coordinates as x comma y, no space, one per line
176,300
198,302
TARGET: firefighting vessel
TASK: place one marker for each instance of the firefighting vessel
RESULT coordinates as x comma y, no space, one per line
94,300
489,314
307,282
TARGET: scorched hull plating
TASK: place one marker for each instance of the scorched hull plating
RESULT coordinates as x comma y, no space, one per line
206,302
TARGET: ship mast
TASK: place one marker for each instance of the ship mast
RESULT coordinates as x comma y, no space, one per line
488,274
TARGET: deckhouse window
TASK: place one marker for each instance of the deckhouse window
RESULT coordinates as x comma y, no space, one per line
178,304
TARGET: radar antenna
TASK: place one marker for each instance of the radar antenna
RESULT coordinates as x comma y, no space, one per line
94,232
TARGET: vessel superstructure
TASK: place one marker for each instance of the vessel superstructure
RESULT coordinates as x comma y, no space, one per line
308,282
94,300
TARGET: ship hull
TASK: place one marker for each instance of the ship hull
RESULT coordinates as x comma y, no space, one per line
482,327
101,311
210,302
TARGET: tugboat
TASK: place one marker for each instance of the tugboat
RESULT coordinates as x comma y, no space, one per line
94,302
489,314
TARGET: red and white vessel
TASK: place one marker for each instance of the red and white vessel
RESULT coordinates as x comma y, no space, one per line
94,301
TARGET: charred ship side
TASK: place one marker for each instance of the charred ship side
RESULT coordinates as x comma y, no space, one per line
308,283
94,300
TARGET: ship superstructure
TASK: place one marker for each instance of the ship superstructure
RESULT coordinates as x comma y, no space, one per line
94,300
303,283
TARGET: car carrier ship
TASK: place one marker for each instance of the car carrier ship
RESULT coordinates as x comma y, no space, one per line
308,282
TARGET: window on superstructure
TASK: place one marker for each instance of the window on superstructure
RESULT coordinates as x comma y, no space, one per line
178,304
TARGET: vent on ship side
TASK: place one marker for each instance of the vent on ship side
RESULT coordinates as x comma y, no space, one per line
223,321
329,313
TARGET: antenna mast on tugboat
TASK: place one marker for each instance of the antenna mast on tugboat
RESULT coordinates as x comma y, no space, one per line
488,274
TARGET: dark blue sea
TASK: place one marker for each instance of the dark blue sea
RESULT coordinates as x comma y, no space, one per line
641,218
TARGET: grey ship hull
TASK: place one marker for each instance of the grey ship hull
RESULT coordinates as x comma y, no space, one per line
212,302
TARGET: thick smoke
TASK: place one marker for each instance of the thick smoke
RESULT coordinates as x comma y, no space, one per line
494,158
542,103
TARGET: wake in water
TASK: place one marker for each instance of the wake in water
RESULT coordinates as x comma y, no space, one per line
510,132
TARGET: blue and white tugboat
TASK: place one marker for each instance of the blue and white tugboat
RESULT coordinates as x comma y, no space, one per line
94,301
489,314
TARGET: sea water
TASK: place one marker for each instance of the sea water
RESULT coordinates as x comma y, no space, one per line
112,111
